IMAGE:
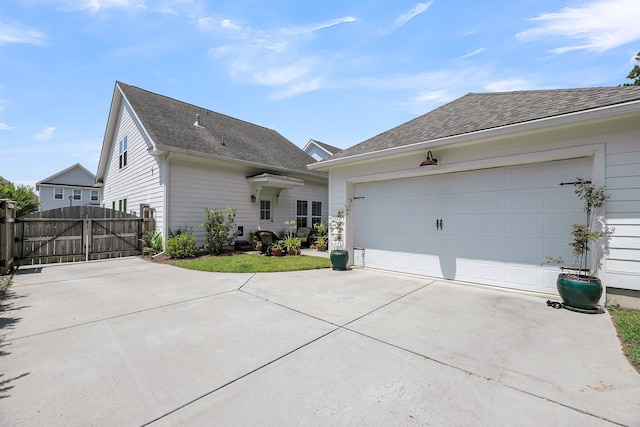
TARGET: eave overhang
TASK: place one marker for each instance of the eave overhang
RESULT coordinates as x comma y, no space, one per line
483,135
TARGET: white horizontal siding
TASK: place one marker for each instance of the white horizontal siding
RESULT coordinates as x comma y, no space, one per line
196,184
622,262
141,181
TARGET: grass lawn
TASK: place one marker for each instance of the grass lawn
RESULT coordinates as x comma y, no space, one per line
251,263
627,323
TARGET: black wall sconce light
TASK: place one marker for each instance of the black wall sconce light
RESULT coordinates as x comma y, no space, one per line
253,198
429,161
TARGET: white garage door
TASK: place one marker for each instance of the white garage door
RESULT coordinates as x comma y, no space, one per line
492,226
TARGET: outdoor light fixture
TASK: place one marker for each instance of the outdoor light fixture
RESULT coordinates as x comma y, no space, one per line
429,161
253,198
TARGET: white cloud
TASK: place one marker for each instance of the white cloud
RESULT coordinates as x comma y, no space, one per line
272,57
407,16
597,26
284,75
298,88
226,23
19,33
4,126
95,6
311,28
507,85
45,134
474,53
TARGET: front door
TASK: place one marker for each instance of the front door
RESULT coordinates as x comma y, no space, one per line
267,206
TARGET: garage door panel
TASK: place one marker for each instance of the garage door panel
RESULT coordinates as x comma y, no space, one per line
498,224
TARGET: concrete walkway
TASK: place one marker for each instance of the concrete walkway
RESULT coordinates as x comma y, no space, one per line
128,343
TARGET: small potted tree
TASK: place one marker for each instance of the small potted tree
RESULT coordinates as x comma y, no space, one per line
339,256
578,285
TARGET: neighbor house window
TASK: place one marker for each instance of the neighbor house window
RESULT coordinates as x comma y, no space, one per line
265,209
58,193
316,213
77,194
95,196
301,213
123,152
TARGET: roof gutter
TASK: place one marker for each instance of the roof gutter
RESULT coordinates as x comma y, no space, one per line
163,149
478,136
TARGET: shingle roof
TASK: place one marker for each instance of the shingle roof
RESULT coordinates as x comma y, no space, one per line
170,124
481,111
330,148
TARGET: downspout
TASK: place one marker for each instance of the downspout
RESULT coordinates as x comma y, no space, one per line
165,207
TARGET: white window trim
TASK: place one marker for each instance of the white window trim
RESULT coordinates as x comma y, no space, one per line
73,193
61,193
97,193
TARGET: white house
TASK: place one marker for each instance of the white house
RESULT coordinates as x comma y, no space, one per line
319,150
73,186
492,205
178,159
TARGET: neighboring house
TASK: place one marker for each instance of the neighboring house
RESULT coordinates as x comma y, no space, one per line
493,206
178,159
319,150
74,186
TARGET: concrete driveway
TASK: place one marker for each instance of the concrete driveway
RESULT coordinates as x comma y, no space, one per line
128,343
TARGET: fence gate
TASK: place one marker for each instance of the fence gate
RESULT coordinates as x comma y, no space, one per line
77,233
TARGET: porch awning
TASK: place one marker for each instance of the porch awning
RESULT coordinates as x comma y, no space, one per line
271,184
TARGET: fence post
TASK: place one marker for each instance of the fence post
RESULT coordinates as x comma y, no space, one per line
86,233
7,232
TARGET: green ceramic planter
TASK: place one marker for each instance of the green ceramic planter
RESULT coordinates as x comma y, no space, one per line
579,293
339,259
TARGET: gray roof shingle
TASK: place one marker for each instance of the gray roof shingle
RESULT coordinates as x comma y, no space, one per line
170,123
481,111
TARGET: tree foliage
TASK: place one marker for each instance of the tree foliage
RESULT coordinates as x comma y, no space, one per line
635,73
24,196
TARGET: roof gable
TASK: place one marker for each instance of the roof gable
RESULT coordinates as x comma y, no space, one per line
170,125
482,111
75,175
329,149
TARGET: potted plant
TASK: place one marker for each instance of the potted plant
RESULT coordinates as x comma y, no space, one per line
339,256
578,285
292,244
276,249
320,231
321,244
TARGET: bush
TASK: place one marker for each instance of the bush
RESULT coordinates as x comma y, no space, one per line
181,246
220,227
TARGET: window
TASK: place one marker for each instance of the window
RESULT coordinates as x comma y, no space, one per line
123,152
77,194
316,213
265,209
58,193
113,205
95,196
301,213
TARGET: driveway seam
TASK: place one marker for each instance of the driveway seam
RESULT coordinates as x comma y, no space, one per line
47,283
202,396
489,379
120,315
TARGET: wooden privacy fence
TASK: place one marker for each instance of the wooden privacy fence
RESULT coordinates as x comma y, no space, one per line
7,218
78,233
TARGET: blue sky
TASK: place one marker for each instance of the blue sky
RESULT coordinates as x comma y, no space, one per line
336,71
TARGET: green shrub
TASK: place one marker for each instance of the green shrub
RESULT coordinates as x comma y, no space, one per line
220,228
181,246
